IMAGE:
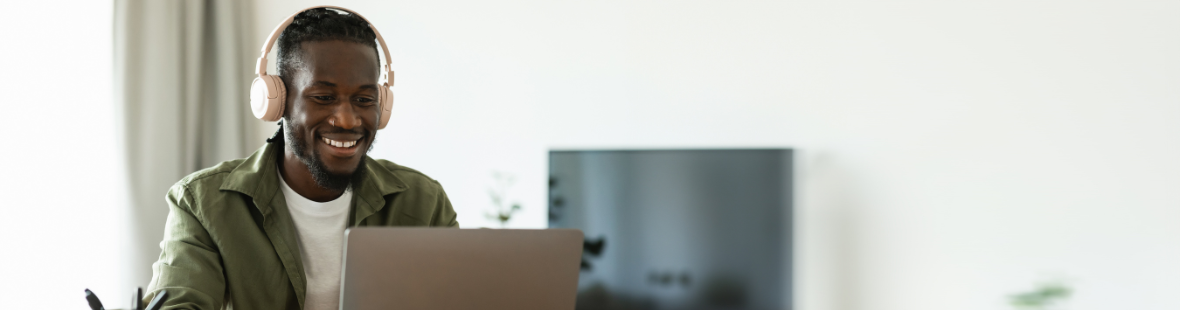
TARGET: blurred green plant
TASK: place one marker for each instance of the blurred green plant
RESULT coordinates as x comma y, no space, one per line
1044,297
502,210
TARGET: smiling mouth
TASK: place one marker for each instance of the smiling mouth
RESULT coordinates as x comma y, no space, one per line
342,144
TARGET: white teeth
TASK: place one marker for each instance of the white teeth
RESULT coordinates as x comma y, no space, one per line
339,143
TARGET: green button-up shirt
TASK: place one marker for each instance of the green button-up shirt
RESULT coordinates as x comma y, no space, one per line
229,240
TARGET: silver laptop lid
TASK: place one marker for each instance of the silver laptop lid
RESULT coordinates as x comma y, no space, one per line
444,268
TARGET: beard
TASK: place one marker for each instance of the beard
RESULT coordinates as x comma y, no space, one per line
310,157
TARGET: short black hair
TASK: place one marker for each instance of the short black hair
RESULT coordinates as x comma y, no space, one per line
320,24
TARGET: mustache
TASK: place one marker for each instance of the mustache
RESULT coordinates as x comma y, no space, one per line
332,130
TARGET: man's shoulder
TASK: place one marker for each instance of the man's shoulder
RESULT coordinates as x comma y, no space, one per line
419,201
212,176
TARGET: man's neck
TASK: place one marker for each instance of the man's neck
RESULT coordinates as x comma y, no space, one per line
299,178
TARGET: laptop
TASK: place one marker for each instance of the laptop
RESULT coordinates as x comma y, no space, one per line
446,268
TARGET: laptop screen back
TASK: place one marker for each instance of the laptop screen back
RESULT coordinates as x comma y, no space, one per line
439,269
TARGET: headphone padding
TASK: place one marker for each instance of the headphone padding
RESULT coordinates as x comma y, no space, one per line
268,95
386,98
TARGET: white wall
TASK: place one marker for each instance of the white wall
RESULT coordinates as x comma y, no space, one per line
952,153
63,224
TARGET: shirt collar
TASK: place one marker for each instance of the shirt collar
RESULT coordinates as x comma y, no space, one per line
257,177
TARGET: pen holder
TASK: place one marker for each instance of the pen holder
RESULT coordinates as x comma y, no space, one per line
137,302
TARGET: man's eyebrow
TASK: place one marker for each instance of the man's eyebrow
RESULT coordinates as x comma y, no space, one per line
330,84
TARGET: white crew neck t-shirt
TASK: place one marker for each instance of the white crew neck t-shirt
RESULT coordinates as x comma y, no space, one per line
320,231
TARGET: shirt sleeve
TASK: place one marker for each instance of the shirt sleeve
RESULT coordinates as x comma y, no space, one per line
189,268
444,213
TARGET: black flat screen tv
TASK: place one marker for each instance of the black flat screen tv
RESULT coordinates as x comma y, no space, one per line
678,229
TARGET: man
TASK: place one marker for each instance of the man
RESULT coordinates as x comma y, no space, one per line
266,232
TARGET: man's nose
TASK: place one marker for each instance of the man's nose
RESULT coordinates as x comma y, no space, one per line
345,116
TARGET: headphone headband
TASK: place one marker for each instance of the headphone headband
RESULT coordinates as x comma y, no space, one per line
260,68
268,92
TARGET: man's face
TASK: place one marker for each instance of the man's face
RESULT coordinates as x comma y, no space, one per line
331,117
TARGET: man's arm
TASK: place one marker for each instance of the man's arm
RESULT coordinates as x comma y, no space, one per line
444,214
189,267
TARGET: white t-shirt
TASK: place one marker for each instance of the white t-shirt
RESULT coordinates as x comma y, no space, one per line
320,231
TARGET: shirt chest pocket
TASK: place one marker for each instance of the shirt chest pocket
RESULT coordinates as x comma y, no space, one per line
410,219
398,218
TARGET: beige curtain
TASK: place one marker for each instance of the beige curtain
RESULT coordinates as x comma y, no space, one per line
182,74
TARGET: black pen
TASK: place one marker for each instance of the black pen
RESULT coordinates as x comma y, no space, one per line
93,300
137,302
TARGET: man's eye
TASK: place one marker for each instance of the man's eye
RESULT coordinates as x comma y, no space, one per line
365,101
324,98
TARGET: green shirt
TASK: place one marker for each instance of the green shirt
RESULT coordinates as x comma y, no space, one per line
229,239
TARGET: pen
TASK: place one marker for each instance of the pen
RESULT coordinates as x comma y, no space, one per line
93,300
137,302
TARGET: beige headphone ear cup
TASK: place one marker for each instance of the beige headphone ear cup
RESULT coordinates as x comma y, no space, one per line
280,103
268,95
386,98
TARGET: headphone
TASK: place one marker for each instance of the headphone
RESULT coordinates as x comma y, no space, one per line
268,95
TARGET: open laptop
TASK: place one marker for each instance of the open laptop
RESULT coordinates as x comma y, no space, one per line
443,268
